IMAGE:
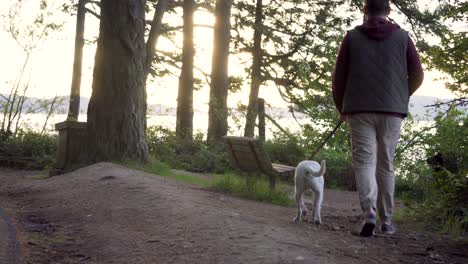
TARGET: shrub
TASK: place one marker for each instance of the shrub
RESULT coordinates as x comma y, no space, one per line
285,150
339,172
436,189
41,148
450,178
195,155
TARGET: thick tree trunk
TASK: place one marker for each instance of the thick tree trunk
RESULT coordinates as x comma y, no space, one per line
256,72
184,122
116,112
218,111
74,107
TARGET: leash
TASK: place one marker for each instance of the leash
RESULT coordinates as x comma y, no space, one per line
326,140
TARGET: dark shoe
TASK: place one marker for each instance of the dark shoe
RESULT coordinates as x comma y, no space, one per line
368,226
388,229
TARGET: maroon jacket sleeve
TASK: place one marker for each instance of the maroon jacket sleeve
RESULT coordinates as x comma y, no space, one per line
415,71
340,74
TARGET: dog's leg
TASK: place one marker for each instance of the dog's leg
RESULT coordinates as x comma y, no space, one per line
298,196
318,198
303,206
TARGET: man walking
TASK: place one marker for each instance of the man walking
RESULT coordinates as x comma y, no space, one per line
377,70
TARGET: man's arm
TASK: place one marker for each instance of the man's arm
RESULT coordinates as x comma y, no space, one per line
340,74
415,71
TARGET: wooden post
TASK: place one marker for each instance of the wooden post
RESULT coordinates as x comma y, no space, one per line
72,134
74,107
261,119
72,147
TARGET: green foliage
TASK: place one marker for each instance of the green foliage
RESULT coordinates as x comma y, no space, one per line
300,40
339,172
413,181
235,83
196,155
451,182
284,149
251,187
437,193
446,49
40,148
451,140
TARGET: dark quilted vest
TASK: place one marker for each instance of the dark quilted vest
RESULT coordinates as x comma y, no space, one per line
378,75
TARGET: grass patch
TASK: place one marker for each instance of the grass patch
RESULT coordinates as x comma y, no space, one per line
54,238
41,176
451,226
162,169
255,188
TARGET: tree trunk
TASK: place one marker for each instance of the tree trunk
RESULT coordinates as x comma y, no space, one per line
154,34
116,116
74,107
184,123
261,119
256,72
218,111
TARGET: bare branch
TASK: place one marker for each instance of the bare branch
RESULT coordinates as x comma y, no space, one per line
463,101
179,28
93,2
93,13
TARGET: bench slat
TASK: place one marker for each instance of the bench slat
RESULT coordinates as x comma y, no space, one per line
247,164
240,140
282,168
242,148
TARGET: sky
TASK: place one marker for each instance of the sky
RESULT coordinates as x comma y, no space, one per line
50,67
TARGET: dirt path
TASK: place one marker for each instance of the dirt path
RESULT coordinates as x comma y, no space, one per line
106,213
9,246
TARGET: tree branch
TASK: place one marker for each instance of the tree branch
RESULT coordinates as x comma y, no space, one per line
92,13
181,27
93,2
455,102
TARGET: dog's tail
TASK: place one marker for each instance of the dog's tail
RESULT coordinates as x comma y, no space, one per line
321,172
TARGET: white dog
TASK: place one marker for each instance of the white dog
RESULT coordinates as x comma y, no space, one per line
309,174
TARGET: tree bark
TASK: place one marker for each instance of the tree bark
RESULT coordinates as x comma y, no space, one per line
74,106
218,110
261,119
184,122
154,34
116,112
256,72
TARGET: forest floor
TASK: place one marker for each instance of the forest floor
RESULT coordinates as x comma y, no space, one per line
107,213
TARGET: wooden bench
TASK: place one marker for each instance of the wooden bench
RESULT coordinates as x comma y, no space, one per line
16,162
248,155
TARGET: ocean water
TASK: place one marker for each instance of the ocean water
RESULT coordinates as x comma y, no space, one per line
200,122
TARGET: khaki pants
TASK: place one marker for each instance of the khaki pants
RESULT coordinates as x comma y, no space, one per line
373,139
